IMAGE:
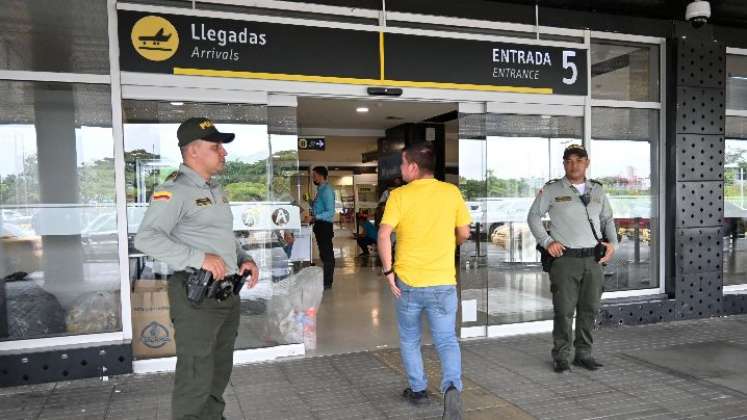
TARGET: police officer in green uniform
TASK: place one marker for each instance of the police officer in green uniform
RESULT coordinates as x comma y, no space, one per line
189,225
576,278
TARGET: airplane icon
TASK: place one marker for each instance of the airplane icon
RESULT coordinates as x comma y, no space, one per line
155,40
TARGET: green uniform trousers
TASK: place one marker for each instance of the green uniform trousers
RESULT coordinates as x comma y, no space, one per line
576,286
205,335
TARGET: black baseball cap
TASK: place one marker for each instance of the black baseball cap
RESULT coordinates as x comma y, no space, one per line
575,149
201,129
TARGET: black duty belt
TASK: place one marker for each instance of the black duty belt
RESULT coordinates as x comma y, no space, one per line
578,252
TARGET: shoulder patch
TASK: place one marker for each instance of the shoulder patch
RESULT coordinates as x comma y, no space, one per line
552,181
595,181
162,196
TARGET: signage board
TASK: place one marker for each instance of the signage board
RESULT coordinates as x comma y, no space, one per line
205,46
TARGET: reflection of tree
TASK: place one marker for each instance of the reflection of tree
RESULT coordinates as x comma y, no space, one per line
620,185
97,181
284,166
242,181
151,175
495,187
735,163
21,188
246,191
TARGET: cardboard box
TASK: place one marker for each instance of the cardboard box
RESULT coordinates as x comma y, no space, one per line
152,330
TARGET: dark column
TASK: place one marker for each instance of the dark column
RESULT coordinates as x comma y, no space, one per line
404,135
694,178
696,136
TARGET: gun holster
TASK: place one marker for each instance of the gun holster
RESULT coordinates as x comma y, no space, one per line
200,284
545,258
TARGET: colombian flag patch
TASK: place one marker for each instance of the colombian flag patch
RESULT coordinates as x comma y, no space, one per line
161,196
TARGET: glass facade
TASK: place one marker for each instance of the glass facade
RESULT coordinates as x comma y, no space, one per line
736,82
632,186
624,71
67,36
259,166
59,255
59,225
735,202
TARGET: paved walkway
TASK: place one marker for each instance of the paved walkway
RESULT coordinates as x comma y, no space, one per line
679,370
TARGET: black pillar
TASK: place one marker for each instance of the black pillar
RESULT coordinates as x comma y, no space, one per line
696,159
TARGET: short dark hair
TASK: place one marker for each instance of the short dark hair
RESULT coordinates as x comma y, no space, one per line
422,155
321,170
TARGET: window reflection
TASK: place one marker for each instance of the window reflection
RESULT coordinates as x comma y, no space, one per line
736,82
623,157
624,71
257,177
735,202
521,152
56,194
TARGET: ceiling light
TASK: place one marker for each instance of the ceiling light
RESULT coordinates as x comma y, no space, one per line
361,109
177,103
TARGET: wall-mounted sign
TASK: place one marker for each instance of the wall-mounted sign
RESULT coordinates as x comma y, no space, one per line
311,143
526,68
201,46
194,45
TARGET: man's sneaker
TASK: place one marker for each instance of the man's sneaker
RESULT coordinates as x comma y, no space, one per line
560,366
415,397
587,363
453,409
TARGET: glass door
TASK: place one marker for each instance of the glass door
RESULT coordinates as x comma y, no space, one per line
518,153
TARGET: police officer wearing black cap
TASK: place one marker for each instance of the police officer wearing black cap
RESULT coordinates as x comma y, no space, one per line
189,225
582,236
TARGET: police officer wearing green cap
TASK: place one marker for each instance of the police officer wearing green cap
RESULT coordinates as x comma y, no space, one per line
574,204
189,225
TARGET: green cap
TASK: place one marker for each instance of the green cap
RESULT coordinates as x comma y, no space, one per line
201,129
575,149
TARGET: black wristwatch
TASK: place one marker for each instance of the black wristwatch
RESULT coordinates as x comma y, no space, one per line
386,273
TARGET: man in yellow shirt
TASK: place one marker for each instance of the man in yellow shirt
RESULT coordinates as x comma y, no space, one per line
430,218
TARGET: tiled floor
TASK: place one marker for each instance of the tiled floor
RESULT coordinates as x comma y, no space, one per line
678,370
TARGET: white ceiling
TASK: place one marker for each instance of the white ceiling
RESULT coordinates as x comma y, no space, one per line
340,113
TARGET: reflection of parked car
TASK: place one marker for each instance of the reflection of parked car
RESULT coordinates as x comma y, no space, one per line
15,217
502,234
99,238
499,210
22,248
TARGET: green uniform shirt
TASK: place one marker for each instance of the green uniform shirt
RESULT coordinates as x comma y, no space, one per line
187,218
568,221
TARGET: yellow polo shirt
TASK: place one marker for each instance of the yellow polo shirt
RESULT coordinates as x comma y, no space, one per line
424,214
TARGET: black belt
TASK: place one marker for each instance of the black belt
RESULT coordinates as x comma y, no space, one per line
578,252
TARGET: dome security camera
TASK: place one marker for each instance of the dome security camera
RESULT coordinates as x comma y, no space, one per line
698,12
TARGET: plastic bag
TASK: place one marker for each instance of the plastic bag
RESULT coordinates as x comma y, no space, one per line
95,312
291,315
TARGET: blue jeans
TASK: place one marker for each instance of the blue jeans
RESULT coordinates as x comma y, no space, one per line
440,305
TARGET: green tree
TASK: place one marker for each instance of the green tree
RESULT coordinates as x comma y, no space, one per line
97,181
246,191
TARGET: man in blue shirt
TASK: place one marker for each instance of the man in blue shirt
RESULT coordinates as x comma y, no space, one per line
371,233
323,208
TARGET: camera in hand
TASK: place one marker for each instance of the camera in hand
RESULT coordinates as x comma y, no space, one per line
200,284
